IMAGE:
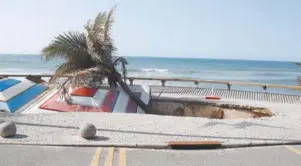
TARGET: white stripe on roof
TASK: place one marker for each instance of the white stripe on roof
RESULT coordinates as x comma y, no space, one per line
95,101
121,102
82,100
15,90
3,79
100,96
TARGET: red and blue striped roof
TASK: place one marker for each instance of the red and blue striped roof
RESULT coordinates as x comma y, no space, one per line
14,93
96,100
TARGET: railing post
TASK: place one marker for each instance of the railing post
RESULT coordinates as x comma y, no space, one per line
229,86
265,87
163,82
196,83
131,81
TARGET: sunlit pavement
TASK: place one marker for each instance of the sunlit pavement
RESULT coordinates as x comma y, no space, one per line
17,155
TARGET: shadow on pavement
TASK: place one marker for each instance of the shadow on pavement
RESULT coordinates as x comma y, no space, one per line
18,136
99,138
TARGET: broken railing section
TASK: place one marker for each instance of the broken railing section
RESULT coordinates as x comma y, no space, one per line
163,81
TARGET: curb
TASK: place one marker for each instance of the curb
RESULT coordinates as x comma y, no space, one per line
141,146
176,145
241,145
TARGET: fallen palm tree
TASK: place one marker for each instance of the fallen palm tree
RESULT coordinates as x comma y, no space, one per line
89,57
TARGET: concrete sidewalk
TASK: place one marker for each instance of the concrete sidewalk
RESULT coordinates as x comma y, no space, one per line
134,130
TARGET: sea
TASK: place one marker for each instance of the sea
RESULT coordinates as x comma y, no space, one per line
268,72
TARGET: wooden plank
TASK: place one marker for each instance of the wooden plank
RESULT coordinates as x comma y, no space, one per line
194,144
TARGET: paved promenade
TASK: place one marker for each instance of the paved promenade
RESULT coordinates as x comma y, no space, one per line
140,139
141,130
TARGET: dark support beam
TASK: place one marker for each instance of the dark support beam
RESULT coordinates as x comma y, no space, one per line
196,83
131,81
264,87
163,82
229,86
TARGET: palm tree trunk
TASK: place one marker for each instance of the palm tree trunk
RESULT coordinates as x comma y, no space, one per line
65,93
136,99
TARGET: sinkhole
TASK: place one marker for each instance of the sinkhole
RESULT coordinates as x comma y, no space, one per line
210,110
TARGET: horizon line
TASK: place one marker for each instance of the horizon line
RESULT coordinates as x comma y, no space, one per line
266,60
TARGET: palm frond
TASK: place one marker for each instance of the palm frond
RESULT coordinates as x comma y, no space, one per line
108,24
88,76
99,24
72,47
108,42
119,59
99,48
63,70
93,43
88,57
78,62
64,44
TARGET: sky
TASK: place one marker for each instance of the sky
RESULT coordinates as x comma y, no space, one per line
219,29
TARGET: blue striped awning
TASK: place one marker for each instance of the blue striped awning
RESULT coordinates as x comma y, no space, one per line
14,94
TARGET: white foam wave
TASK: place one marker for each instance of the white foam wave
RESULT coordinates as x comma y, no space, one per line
155,70
25,73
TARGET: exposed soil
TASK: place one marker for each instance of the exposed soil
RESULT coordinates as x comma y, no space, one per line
208,110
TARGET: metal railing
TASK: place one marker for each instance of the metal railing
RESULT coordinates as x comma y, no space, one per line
227,83
163,81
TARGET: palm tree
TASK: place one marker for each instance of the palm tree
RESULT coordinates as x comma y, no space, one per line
89,57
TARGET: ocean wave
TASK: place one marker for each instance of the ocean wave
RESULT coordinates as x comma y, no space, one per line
26,73
277,74
155,70
149,70
159,70
270,74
